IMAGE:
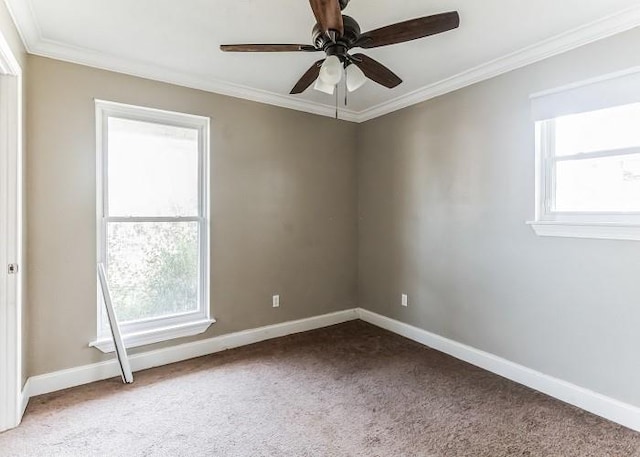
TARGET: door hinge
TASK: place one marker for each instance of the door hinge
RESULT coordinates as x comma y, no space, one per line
13,268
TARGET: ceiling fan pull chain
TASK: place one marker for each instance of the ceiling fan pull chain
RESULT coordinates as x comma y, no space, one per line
346,88
337,102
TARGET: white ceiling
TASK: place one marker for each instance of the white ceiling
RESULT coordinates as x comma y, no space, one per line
177,41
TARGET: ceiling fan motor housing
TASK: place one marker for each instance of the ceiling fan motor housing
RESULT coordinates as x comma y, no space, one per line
342,44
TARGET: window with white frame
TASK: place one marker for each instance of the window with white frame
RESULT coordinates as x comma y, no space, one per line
588,154
153,222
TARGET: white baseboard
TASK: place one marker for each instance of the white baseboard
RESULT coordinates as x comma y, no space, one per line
601,405
64,379
25,395
598,404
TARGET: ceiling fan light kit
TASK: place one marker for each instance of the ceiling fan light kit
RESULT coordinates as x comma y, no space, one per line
331,71
321,86
336,34
355,78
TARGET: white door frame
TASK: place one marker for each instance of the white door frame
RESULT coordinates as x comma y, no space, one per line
10,237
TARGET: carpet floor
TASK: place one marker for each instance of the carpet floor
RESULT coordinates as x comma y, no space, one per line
347,390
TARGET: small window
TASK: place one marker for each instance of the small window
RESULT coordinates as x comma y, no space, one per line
593,164
153,222
589,165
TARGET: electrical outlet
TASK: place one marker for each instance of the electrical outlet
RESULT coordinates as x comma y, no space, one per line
276,301
405,300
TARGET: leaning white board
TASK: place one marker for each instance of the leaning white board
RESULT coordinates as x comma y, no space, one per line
121,350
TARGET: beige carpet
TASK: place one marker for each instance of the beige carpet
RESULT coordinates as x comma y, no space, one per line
349,390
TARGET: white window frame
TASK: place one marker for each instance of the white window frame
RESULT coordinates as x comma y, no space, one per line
597,225
154,330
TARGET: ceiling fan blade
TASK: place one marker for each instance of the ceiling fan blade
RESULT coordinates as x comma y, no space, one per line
268,48
375,71
409,30
328,15
308,78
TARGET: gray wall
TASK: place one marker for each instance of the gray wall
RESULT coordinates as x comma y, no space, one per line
283,208
445,188
10,33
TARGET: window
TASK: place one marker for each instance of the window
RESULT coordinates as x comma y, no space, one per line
153,222
588,147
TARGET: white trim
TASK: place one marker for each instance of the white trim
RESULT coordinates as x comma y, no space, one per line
156,335
25,396
35,43
144,113
72,377
25,20
154,219
601,405
103,61
597,154
11,155
8,63
593,230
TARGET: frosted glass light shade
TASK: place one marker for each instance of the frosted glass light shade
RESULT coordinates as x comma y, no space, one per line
323,87
331,71
355,78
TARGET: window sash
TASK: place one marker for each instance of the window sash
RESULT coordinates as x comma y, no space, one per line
601,216
105,110
545,133
548,179
134,219
149,323
596,154
150,118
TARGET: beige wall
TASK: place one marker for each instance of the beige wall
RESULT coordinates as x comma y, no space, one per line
10,33
283,208
445,188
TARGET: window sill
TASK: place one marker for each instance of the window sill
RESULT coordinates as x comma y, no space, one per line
593,230
157,335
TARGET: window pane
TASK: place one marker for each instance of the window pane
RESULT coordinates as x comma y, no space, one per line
152,268
614,128
153,169
610,184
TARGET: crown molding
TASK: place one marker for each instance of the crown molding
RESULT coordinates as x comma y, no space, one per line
559,44
31,34
25,21
52,49
27,24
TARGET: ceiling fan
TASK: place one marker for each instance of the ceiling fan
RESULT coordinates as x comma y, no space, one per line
336,34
